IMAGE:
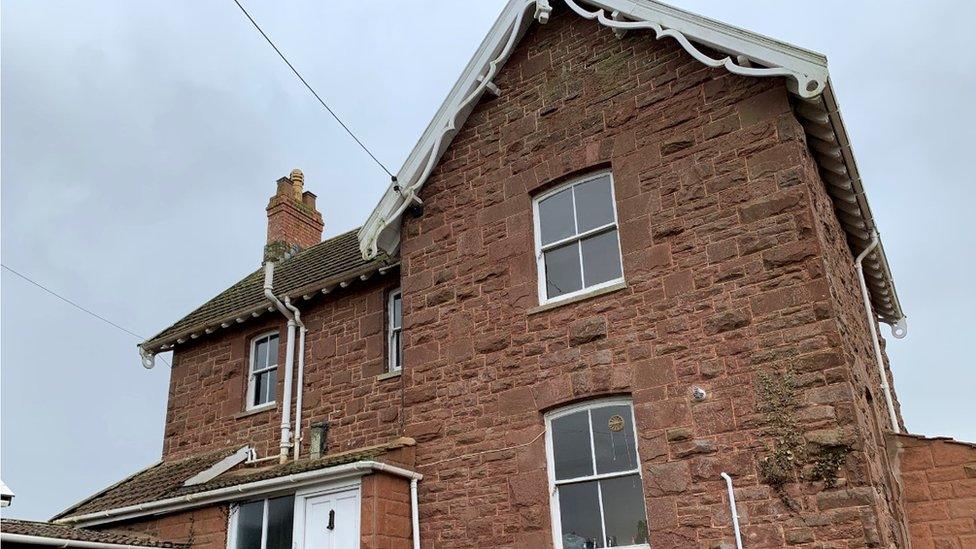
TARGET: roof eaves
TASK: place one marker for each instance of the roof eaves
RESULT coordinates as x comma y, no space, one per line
749,54
106,490
324,286
233,492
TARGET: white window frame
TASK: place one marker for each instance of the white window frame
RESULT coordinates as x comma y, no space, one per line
540,250
235,510
557,529
394,334
252,374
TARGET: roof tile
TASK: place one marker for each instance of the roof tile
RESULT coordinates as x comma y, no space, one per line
334,258
63,532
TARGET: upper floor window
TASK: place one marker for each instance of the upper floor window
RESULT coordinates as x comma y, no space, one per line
576,239
262,524
394,331
263,380
595,476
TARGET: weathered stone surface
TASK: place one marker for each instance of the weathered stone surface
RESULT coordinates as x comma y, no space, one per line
587,330
667,478
734,263
727,321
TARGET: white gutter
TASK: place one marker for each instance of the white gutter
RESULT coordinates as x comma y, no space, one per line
234,493
735,513
866,296
301,376
58,542
289,360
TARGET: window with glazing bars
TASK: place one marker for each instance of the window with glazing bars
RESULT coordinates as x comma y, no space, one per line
577,244
263,379
595,476
395,331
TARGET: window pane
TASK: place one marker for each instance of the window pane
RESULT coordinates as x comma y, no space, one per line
270,385
601,258
280,511
556,216
260,359
259,390
273,351
615,449
579,513
594,204
396,313
563,270
397,350
249,519
571,446
623,511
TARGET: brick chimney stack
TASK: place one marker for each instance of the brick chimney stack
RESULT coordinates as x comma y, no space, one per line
293,222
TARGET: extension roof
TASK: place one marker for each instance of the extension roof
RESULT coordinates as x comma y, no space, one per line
165,479
330,263
50,531
747,54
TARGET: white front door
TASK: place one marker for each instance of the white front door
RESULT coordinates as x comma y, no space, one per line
328,520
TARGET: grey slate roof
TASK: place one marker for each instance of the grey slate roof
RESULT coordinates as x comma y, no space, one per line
335,258
63,532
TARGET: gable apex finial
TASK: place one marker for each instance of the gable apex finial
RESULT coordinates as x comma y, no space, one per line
542,11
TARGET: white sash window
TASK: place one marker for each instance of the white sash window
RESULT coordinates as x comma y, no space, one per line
595,476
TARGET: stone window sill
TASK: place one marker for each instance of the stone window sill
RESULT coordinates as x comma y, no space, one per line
577,298
257,410
389,375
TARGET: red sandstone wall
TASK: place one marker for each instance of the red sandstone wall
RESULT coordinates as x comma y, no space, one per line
715,197
734,266
385,512
939,479
863,413
204,528
345,351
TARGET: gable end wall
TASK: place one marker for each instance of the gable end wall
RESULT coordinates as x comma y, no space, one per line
719,205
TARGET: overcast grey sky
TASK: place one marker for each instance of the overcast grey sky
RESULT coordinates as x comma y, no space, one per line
141,141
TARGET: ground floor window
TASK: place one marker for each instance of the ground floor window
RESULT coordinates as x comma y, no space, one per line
262,524
594,474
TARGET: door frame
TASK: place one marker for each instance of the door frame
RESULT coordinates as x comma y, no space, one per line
301,496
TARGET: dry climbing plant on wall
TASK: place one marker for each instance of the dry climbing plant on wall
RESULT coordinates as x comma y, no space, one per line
777,401
788,456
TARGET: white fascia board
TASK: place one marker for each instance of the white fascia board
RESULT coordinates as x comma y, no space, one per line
721,36
754,55
382,226
806,70
288,483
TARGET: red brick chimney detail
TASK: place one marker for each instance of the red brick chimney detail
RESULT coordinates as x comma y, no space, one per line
293,222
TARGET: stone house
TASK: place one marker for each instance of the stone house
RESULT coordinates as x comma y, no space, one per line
624,292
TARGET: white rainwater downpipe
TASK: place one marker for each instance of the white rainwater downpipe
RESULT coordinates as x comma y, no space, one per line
301,377
289,361
735,513
869,311
414,513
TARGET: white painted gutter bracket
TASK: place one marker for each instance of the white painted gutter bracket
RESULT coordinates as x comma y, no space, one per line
735,513
872,327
